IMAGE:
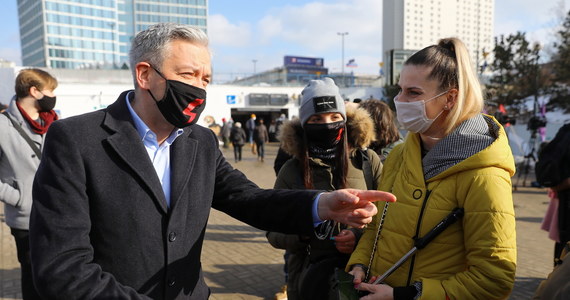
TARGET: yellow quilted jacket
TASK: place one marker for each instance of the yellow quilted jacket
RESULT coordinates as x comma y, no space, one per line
474,258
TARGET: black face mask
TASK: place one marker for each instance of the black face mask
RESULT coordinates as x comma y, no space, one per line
325,135
46,103
182,103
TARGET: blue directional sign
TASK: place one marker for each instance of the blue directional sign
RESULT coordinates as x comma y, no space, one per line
231,99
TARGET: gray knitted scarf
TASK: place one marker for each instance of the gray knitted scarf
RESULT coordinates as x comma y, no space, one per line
470,137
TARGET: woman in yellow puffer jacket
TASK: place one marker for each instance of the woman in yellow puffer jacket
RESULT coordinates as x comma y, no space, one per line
454,156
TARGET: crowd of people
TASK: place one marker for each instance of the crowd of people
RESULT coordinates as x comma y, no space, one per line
114,204
256,133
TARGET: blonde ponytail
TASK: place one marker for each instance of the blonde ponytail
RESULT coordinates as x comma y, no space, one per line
470,96
450,64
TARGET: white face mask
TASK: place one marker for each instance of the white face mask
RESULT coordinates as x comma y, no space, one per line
412,115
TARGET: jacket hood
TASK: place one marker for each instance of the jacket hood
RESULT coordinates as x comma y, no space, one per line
498,154
359,128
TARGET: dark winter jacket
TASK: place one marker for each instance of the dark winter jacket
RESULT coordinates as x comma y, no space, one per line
360,132
260,134
237,136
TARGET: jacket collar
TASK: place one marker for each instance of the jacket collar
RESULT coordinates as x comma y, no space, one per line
497,154
17,116
15,112
467,139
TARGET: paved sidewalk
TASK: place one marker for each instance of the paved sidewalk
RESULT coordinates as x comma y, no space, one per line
238,263
9,265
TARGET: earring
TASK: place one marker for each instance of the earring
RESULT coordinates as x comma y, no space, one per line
445,107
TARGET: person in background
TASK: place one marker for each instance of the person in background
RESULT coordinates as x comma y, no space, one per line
556,286
215,127
23,128
387,134
282,118
326,144
272,130
226,131
556,154
282,157
122,195
562,191
453,157
250,127
238,138
260,137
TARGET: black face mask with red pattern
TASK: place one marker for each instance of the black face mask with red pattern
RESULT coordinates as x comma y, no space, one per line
326,135
182,103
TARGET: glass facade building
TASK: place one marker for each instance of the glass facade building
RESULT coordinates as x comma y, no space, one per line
78,34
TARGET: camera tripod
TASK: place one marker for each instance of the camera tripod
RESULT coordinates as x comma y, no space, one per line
527,158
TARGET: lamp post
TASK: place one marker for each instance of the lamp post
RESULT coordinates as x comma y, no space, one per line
536,49
112,25
342,34
254,61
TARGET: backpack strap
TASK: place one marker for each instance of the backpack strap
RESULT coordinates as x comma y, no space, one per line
21,131
367,170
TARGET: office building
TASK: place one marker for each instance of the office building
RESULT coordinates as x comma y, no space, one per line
296,70
94,34
410,25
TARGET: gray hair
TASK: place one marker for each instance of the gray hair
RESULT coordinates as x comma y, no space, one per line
150,45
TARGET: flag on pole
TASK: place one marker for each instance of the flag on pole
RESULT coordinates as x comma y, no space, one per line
504,115
351,63
502,108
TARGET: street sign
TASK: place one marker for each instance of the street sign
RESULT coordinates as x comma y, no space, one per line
231,99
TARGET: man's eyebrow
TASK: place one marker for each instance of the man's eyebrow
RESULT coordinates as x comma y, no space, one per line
187,65
185,68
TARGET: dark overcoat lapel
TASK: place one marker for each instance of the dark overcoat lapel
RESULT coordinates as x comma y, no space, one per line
183,155
182,160
119,122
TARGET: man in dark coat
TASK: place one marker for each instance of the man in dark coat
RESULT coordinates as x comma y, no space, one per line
260,137
122,196
238,137
250,127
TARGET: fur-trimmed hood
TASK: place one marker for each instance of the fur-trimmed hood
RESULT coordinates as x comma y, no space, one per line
359,128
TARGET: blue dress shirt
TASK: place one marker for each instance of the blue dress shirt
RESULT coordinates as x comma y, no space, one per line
159,154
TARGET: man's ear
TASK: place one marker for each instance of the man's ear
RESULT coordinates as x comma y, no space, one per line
451,98
142,74
34,92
